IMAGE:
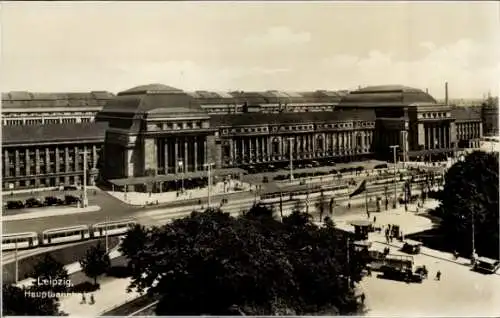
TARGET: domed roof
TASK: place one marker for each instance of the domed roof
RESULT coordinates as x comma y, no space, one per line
151,89
387,95
152,98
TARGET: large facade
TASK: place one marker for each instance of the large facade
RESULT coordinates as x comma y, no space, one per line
160,132
155,130
50,155
414,121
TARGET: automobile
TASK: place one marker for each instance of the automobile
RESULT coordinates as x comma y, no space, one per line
308,165
315,163
71,199
49,201
411,247
265,179
34,203
486,265
70,188
15,205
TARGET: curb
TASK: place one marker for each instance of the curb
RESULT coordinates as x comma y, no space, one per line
427,254
49,213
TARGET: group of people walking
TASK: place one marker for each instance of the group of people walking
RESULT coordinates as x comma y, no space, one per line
84,299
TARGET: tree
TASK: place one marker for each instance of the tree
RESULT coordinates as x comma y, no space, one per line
95,262
51,275
470,195
22,302
214,264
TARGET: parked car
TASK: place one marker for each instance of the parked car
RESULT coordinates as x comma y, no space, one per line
71,199
265,179
70,188
49,201
34,203
15,205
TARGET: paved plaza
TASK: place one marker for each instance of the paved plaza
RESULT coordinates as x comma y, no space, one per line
460,292
137,198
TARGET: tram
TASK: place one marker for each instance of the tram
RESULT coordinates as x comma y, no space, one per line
62,235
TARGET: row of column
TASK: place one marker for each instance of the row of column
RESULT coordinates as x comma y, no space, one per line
182,154
468,131
264,147
49,161
437,136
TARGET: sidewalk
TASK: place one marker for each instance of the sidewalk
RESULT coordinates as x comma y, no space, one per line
138,198
44,212
111,294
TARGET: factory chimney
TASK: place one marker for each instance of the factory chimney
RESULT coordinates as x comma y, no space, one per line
446,93
427,91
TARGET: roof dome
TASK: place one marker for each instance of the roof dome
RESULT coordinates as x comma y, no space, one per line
152,98
151,89
387,95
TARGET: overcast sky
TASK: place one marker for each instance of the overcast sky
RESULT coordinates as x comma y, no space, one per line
82,46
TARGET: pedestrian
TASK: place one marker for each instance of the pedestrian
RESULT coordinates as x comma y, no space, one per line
438,275
84,300
349,205
92,300
374,219
369,271
363,298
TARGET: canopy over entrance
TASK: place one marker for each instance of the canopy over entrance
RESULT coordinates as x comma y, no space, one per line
174,177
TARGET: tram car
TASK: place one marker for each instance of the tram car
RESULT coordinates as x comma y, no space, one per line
63,235
112,228
19,240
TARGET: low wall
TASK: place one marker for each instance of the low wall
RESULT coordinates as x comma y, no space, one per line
64,255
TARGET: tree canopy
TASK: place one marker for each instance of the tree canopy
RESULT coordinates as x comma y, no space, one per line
50,269
471,193
95,262
17,302
214,264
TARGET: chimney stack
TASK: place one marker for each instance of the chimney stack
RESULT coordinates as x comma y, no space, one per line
446,93
427,91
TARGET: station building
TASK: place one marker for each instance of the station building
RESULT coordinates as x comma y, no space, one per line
157,132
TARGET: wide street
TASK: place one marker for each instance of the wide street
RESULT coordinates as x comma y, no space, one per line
460,292
111,209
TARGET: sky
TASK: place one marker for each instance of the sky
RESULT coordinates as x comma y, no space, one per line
224,46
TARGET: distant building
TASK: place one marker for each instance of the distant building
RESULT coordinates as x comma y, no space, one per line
27,108
489,116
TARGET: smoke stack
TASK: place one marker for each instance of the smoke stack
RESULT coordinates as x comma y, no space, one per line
427,91
446,93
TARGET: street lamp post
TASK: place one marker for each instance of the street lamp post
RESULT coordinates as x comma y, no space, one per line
209,170
291,139
394,147
181,165
85,200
